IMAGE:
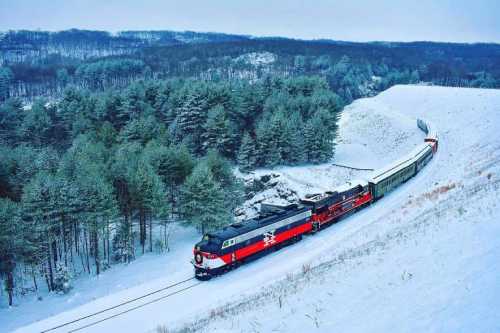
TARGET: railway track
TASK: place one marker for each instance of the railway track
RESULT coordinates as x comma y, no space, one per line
95,318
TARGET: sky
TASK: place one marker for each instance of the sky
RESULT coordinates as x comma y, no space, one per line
354,20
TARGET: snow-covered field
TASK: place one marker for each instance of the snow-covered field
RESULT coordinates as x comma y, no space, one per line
424,258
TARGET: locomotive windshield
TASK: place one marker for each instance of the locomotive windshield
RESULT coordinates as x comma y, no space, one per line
208,238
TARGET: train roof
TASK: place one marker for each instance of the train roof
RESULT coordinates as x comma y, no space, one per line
400,164
327,198
351,184
243,227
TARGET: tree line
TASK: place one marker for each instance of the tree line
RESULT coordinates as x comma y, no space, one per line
98,177
351,69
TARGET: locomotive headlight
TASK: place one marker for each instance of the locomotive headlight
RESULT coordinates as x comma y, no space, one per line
198,258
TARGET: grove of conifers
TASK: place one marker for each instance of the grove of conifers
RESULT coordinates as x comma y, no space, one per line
94,178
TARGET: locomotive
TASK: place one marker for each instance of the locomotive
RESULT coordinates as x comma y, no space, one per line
278,226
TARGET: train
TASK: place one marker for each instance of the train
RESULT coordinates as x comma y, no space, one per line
277,226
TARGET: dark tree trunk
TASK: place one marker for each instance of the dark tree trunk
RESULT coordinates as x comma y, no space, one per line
77,244
65,245
107,241
142,227
96,249
10,287
54,252
49,267
86,249
33,275
150,233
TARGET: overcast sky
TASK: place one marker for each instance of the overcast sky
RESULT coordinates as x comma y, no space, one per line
357,20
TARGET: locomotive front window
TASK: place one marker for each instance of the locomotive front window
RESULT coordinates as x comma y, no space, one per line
209,238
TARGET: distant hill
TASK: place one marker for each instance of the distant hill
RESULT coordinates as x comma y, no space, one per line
26,45
41,63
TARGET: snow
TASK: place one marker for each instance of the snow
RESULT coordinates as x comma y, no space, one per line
149,269
424,258
257,58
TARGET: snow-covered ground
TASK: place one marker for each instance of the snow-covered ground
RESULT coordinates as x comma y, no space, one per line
424,258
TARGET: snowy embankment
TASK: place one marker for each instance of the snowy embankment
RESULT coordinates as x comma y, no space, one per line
424,258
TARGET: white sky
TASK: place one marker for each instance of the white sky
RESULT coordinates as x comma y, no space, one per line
356,20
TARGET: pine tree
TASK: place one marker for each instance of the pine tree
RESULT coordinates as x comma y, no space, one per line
223,174
11,117
247,159
142,130
217,133
62,77
250,100
203,201
37,205
190,120
10,244
148,196
319,134
297,144
173,165
5,79
36,125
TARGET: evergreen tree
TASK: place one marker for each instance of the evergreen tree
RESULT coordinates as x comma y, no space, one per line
148,196
247,159
223,174
217,133
38,204
173,165
9,244
133,103
319,134
37,125
62,77
268,149
297,144
249,106
5,79
142,130
11,117
190,120
203,201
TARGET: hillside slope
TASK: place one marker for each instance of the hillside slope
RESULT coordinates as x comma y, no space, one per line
421,259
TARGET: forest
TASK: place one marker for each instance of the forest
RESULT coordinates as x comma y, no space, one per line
83,180
107,140
37,63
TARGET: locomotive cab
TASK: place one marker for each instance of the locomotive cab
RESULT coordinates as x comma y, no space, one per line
206,260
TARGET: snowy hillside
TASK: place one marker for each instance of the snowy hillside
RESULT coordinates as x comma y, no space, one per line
424,258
